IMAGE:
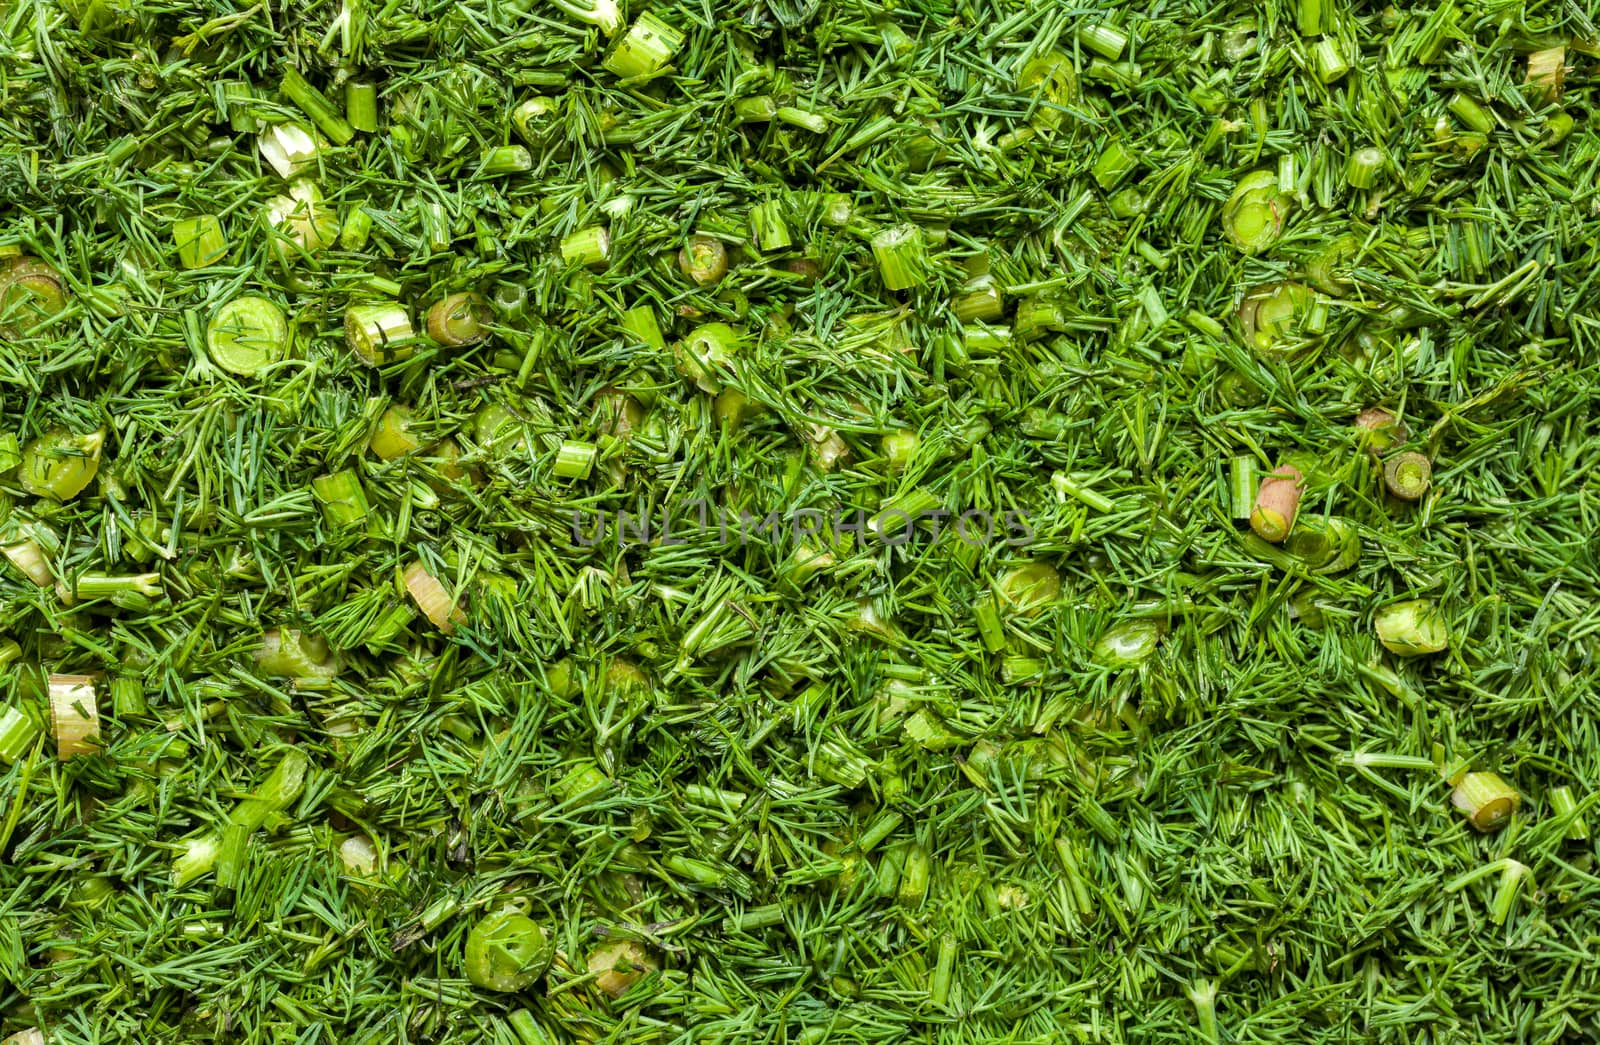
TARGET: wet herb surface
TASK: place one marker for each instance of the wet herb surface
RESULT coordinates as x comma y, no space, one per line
341,705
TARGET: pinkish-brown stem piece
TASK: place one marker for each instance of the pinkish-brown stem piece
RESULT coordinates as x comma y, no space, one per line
1378,429
1277,501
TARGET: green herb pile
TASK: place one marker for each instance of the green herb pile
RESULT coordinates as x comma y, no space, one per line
340,705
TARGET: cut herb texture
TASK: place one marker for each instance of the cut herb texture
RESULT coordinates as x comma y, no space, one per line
448,456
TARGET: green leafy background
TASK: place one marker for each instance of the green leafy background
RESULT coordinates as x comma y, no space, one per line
1225,841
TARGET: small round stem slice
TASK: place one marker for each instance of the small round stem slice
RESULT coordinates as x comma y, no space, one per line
535,118
379,333
458,320
60,464
705,352
359,856
393,438
247,335
1276,316
703,259
1254,216
31,293
1364,167
290,653
900,449
618,965
302,218
1277,502
1325,545
200,241
1129,644
1412,628
1546,71
361,105
1487,800
1030,588
1564,804
1378,429
1408,475
1328,60
768,231
506,951
1052,79
506,159
31,558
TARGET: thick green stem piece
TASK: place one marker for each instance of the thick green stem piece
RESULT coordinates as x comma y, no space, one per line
902,257
1487,800
646,48
316,105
